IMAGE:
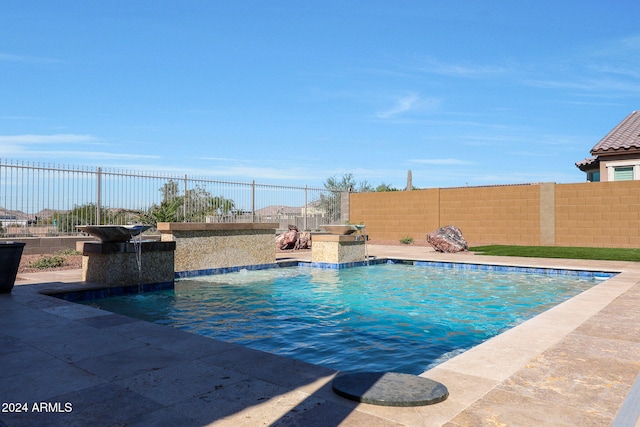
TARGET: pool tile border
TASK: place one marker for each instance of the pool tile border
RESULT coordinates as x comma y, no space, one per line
604,275
338,266
97,293
518,269
222,270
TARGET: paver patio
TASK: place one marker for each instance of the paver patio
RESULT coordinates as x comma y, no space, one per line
573,365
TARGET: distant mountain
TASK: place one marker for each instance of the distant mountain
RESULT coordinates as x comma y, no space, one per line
14,215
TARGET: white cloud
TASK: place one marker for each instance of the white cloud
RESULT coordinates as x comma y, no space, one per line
77,156
591,84
446,162
313,174
616,70
408,103
46,139
606,69
621,48
404,104
432,65
7,57
62,146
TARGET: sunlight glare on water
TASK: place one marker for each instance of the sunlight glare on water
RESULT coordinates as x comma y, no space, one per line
388,317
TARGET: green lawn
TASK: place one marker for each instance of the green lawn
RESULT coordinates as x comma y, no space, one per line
609,254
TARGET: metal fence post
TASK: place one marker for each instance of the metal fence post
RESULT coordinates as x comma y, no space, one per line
99,198
253,200
304,210
185,201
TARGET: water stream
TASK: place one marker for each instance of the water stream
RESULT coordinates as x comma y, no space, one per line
137,245
363,233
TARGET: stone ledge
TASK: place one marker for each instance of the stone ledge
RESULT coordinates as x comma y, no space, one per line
337,238
169,227
124,247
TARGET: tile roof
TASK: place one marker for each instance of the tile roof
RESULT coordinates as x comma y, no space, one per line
624,137
588,163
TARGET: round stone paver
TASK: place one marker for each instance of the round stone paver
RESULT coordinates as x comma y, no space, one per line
389,389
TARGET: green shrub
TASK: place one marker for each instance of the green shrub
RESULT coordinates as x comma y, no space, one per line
47,261
68,252
406,240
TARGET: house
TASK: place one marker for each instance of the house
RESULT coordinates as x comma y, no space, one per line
617,156
9,218
278,211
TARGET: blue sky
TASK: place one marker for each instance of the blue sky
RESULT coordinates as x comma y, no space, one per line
293,92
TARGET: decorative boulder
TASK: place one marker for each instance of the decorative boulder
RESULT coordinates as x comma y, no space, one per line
293,239
288,239
447,239
304,241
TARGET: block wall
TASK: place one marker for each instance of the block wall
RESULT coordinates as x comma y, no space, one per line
397,214
605,214
508,214
599,214
47,245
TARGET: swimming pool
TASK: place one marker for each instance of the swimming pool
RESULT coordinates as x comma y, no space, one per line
388,317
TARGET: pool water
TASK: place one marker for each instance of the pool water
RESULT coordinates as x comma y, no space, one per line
388,317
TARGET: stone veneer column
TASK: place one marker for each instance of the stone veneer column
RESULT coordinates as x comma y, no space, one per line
337,249
548,214
115,264
344,206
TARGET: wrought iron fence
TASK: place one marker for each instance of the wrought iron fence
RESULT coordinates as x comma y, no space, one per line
38,199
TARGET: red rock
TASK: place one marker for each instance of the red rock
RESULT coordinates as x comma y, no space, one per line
448,239
304,241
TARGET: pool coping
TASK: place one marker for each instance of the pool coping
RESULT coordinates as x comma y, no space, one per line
489,381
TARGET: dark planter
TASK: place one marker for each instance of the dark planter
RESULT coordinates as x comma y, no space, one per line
10,254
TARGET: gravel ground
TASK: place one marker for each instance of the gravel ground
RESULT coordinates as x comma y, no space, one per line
397,243
71,262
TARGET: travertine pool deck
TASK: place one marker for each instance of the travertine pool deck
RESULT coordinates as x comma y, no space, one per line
573,365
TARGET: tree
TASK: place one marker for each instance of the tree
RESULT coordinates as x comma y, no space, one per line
347,183
167,211
195,205
66,222
385,187
330,202
199,204
170,191
221,206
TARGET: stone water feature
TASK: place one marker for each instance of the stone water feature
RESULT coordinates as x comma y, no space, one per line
120,257
340,246
207,248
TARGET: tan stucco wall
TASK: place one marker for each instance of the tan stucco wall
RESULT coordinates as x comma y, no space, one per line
605,214
615,161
